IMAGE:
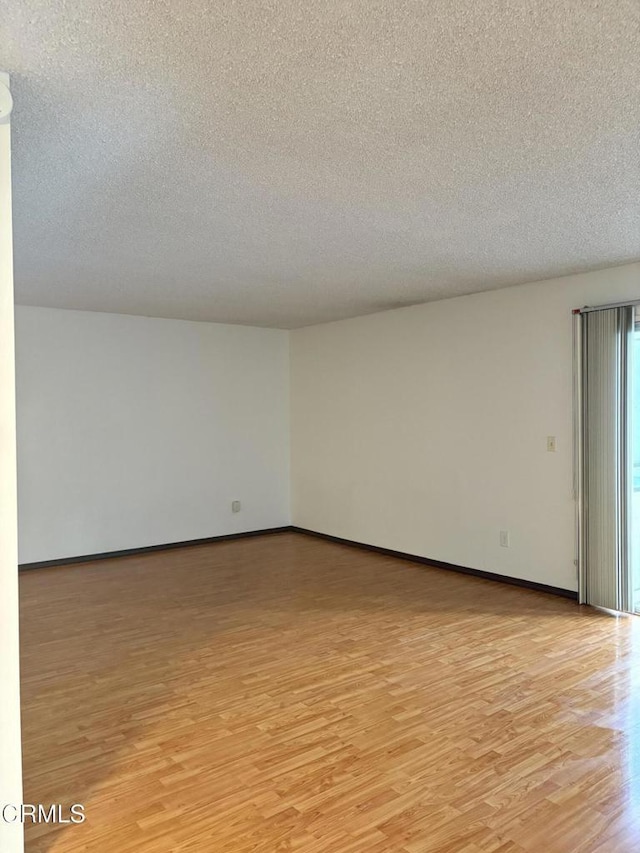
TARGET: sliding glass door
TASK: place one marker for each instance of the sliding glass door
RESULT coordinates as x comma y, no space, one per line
606,455
634,460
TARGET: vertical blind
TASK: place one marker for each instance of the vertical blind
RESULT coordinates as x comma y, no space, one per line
604,483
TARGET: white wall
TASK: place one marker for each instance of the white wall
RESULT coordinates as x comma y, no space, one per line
424,429
135,431
10,764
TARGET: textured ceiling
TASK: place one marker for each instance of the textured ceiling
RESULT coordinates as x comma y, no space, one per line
283,163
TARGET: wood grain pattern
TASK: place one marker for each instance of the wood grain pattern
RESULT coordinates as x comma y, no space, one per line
289,694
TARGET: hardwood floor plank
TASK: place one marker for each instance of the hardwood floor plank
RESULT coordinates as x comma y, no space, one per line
287,693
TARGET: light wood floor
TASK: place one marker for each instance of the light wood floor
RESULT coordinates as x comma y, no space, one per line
289,694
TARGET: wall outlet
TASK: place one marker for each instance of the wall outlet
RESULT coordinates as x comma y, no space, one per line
236,506
551,443
504,539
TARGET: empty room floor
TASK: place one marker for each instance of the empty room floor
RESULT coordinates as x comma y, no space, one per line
284,693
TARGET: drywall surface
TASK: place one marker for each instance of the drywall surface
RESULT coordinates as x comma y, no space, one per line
135,431
425,429
10,762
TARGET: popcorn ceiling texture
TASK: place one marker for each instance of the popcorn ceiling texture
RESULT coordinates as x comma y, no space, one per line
289,162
